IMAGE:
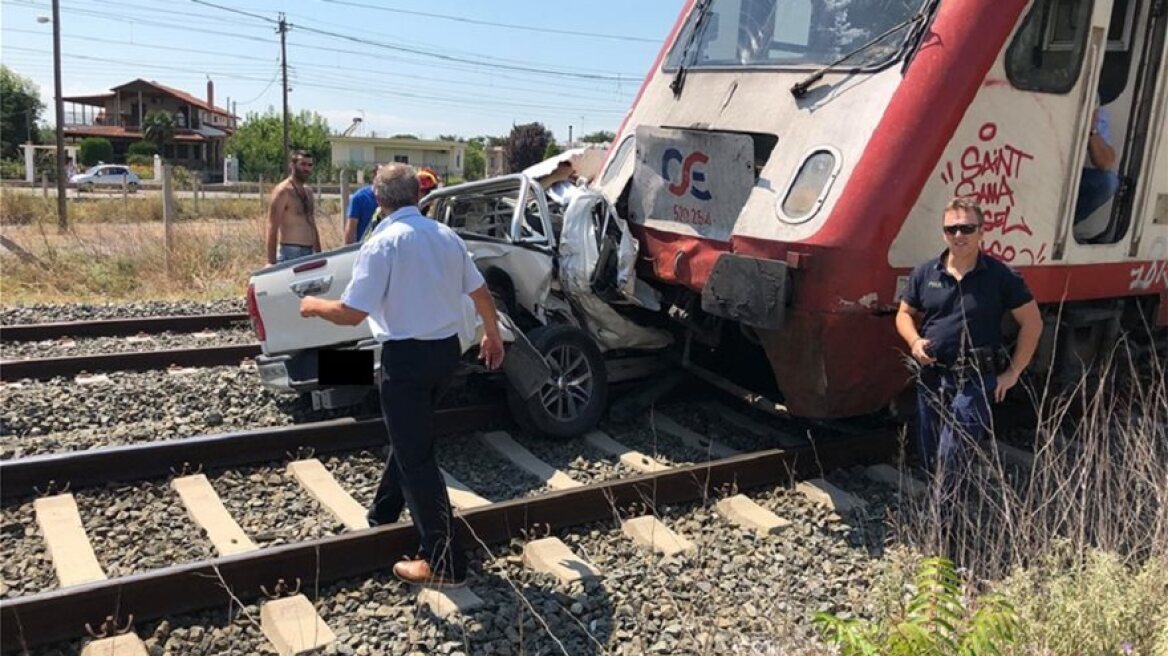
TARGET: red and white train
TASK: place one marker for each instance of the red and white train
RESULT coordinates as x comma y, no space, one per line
785,165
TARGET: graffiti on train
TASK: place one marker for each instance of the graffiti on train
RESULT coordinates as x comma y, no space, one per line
988,171
1149,275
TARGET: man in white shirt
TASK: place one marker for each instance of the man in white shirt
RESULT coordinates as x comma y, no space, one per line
409,281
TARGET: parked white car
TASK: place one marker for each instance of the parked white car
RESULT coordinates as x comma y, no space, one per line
108,176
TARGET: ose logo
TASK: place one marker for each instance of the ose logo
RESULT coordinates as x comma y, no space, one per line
692,180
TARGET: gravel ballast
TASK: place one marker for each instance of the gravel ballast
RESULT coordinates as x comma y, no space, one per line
58,348
52,313
133,407
739,593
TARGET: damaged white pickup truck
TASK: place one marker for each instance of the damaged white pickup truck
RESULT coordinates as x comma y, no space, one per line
561,272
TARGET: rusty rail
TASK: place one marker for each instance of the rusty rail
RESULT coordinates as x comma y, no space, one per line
42,368
118,327
41,618
22,477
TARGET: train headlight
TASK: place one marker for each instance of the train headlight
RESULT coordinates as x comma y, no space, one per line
808,188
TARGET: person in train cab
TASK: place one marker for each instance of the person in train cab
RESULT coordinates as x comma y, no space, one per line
950,317
1099,180
409,281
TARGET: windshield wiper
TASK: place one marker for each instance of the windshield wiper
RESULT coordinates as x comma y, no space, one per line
799,89
678,82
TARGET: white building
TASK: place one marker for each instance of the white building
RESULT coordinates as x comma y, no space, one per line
445,157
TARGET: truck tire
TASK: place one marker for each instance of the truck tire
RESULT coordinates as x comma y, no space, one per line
573,399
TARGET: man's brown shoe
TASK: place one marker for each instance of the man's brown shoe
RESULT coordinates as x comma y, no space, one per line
418,572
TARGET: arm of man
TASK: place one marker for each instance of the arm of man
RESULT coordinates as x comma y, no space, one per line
491,348
315,232
1029,331
277,206
906,324
331,311
350,230
1099,149
1101,153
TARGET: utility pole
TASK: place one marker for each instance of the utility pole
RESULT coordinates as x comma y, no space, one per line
283,30
62,208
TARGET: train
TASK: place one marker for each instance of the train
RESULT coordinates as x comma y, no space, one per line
785,165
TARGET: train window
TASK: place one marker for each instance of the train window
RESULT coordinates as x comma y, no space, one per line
1046,54
748,33
618,160
808,189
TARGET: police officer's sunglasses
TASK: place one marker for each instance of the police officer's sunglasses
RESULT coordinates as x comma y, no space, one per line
961,228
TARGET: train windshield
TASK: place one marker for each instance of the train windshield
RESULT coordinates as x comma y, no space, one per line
791,33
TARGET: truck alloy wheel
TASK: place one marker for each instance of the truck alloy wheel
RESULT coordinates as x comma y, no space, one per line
572,400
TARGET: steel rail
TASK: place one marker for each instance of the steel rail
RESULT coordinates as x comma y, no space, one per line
42,368
61,614
118,327
23,477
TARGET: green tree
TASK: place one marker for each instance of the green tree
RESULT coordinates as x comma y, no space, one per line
20,111
474,163
600,136
158,128
552,149
94,150
258,144
451,137
526,145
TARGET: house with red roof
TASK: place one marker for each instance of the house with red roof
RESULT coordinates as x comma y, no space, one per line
201,129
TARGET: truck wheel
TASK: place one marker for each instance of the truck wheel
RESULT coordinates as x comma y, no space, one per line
572,400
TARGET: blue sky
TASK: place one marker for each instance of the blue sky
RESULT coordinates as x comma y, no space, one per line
437,85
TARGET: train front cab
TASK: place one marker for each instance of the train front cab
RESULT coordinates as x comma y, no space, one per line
781,209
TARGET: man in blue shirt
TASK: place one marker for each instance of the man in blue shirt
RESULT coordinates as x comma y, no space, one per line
1099,180
362,205
410,279
951,318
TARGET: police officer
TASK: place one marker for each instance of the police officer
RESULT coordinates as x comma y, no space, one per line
409,280
951,318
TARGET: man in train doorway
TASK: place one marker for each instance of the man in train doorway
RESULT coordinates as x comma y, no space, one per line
951,318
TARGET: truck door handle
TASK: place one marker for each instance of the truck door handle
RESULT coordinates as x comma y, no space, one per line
311,286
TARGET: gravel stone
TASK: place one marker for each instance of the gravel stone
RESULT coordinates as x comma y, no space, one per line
102,345
139,407
51,312
25,567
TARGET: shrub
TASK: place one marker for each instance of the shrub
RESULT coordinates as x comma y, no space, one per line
934,620
142,148
94,150
143,171
12,169
1098,607
141,160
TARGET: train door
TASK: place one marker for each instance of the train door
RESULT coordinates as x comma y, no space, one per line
1108,210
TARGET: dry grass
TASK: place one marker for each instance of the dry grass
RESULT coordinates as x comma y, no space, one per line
1078,542
105,257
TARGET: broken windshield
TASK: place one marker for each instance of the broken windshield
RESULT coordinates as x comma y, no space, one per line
753,33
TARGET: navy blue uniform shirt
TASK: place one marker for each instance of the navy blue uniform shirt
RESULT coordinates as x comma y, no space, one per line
967,312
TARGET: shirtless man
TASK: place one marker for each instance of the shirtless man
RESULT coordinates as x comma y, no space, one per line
291,223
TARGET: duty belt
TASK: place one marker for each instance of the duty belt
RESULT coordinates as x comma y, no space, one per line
984,360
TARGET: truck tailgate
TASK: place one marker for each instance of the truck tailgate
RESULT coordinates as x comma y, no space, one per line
279,288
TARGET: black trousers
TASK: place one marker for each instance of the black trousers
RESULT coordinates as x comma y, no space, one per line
413,372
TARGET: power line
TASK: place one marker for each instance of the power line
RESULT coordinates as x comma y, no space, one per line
443,56
510,26
473,65
237,11
621,97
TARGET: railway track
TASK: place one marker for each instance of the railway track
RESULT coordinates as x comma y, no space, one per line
36,619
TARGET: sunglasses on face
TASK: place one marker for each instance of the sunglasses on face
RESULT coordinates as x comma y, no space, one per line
961,228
